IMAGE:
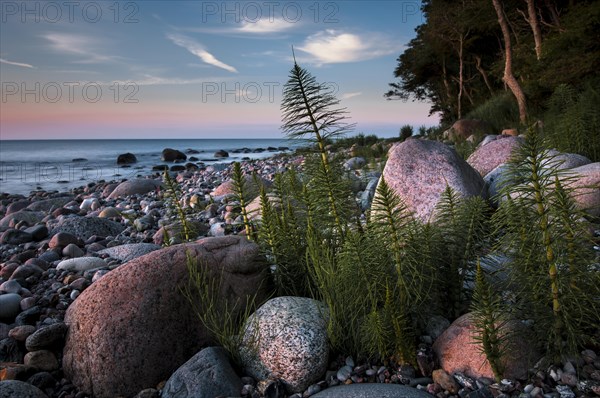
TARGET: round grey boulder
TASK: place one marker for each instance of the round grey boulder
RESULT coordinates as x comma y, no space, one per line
372,390
286,338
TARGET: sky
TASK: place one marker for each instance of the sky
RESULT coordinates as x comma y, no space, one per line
195,69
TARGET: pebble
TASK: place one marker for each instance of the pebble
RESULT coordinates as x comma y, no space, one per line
344,373
565,392
20,333
81,264
46,337
11,286
42,360
10,305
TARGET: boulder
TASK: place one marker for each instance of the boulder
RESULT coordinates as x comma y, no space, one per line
419,170
286,338
464,128
136,186
458,351
17,206
221,154
85,227
354,163
15,237
126,158
129,251
371,390
587,188
133,327
227,188
48,205
207,374
29,217
568,160
494,153
172,155
20,389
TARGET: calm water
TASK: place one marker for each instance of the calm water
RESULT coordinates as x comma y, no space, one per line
48,164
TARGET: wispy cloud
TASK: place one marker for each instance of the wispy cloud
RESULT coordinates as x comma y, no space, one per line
198,50
151,80
333,46
4,61
265,26
84,46
351,95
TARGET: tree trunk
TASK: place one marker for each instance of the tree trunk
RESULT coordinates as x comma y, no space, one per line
508,78
460,75
483,73
535,27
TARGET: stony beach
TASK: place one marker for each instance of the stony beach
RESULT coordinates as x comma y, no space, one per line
67,299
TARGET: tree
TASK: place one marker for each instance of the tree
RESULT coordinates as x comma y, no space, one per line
509,77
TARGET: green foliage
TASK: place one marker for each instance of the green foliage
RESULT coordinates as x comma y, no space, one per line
173,201
224,321
489,317
539,226
241,195
462,227
500,111
406,131
573,121
310,111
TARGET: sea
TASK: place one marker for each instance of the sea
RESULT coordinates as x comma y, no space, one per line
60,165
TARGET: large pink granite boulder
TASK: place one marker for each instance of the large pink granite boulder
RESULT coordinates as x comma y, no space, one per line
458,351
419,171
133,328
491,155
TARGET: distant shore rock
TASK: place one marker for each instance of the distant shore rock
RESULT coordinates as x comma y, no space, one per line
126,158
172,155
221,154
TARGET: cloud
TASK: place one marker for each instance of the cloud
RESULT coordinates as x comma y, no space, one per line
265,26
4,61
333,46
198,50
350,95
83,46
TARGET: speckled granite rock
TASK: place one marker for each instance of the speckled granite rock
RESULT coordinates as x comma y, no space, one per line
85,227
372,390
287,338
129,251
419,171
